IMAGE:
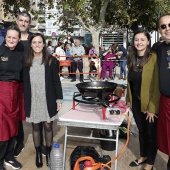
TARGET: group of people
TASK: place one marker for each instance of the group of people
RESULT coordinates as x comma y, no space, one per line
73,54
115,53
24,59
148,92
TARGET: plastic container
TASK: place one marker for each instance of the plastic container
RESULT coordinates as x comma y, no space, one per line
56,157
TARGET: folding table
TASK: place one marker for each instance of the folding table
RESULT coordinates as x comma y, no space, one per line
89,116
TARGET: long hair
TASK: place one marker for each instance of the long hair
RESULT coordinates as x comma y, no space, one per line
114,46
46,58
132,56
58,45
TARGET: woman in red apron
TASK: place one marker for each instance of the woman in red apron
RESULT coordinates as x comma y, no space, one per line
10,71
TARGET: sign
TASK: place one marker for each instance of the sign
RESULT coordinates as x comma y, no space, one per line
53,34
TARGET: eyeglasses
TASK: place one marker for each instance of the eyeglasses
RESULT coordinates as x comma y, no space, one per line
164,26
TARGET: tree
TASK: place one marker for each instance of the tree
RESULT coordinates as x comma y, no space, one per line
96,15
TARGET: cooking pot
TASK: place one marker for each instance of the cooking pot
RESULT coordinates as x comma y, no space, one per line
96,89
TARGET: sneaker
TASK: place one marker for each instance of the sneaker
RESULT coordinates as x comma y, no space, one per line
18,149
13,163
43,150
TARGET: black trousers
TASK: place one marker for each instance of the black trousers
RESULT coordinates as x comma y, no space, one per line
147,133
7,150
20,136
74,66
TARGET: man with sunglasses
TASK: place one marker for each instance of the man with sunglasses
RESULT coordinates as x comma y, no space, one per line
163,52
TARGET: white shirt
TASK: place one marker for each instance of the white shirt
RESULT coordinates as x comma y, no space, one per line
60,52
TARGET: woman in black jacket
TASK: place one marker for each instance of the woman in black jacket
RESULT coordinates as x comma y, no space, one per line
43,92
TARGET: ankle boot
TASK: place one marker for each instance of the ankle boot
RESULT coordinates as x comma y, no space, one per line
48,150
38,163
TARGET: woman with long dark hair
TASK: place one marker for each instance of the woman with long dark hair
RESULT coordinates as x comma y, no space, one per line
42,92
143,96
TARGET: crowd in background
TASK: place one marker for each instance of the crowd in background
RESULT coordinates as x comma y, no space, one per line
106,63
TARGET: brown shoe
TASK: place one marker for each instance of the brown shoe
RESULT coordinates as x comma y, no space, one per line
124,78
120,78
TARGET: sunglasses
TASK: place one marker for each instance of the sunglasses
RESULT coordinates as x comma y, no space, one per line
164,26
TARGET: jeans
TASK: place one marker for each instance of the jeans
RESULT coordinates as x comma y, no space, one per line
77,64
122,65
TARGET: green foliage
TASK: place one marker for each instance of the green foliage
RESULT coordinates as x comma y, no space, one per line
12,6
121,13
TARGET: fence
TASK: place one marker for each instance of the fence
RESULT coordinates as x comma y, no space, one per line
87,68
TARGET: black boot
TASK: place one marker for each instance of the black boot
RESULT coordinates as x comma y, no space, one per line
38,163
48,150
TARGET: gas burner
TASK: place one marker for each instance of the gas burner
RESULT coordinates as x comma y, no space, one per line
78,97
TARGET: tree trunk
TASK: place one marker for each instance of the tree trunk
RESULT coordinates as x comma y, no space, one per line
95,39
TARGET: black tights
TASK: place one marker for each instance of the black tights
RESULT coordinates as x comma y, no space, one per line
37,133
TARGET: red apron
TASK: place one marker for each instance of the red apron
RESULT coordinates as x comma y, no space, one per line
9,110
164,125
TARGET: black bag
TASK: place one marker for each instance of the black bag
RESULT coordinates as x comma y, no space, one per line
81,151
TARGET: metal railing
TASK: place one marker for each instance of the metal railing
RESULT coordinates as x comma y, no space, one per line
86,65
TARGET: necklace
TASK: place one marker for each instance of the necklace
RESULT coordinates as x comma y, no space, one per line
138,62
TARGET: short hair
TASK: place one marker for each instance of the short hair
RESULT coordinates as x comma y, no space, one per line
14,27
168,14
25,14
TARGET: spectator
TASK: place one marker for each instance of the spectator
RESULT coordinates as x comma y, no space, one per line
108,62
77,51
92,52
59,51
50,48
121,53
67,52
11,60
43,98
143,96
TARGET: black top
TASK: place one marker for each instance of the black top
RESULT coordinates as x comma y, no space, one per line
135,80
24,45
164,72
155,46
10,64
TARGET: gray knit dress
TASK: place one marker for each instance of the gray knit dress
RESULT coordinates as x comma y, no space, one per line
39,112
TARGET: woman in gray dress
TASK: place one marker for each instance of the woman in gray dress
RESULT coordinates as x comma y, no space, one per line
42,92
